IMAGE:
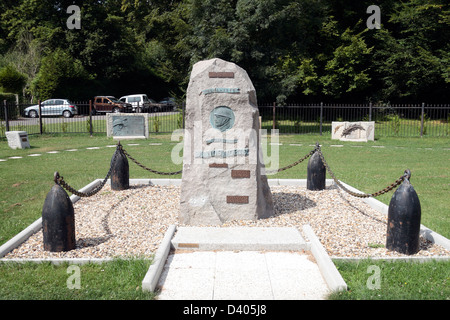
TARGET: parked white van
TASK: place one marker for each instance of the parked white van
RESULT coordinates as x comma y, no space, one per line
140,102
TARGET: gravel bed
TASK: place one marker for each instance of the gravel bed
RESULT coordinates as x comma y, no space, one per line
133,223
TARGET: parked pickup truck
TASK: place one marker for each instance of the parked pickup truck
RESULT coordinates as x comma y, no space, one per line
104,104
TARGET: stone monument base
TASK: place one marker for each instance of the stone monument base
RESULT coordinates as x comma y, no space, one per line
18,139
361,131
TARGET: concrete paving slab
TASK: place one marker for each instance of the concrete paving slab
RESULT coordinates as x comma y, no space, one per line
238,238
241,275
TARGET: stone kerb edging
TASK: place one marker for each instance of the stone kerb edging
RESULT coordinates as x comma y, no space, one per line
329,272
36,226
154,271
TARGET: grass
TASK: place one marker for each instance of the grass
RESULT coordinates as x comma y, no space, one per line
25,182
117,280
394,127
397,281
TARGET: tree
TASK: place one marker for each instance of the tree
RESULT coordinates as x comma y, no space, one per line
11,80
60,76
347,71
411,60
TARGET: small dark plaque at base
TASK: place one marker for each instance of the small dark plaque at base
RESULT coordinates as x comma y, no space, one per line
240,174
237,199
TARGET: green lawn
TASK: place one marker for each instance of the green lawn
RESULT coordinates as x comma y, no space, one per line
397,281
369,167
116,280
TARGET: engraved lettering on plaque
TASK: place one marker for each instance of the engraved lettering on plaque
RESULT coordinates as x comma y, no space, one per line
221,90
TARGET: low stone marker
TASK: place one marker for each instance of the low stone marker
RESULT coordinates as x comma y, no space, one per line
127,126
361,131
18,139
223,172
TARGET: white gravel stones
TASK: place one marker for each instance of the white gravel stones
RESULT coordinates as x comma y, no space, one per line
133,223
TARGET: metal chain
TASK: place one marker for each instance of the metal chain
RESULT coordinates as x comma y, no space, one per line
296,162
60,180
397,182
148,169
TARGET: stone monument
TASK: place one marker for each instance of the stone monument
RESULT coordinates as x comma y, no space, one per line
223,170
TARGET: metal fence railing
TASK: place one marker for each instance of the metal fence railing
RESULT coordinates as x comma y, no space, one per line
14,118
403,120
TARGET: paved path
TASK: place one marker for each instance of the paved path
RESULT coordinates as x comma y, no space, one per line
242,275
240,263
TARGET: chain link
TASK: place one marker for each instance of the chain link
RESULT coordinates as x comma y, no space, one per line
60,180
396,183
148,169
296,162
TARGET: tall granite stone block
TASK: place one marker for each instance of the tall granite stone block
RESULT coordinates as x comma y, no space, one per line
223,171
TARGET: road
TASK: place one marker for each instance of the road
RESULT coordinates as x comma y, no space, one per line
58,119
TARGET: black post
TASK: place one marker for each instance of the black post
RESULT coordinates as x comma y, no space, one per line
90,118
58,221
404,215
273,116
6,114
40,116
370,111
316,173
321,117
120,172
421,119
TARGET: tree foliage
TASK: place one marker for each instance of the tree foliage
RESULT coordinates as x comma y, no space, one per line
292,49
11,80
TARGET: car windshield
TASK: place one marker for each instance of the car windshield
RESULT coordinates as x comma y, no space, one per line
113,99
146,99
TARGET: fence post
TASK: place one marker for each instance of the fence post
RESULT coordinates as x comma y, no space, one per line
273,117
40,116
370,111
6,115
321,117
90,118
421,119
183,110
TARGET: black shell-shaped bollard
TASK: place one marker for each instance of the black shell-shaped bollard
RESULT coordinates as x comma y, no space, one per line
404,215
316,173
120,172
58,221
